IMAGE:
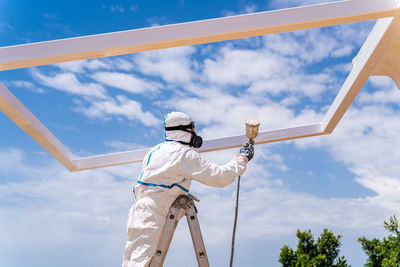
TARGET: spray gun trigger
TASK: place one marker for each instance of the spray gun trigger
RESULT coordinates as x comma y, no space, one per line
249,143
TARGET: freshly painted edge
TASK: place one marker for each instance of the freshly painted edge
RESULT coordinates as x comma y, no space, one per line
112,159
208,146
22,117
382,37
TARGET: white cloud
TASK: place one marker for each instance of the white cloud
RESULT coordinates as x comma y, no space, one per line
276,212
73,211
366,140
248,8
240,67
343,51
387,92
117,8
381,81
381,97
224,114
134,7
123,64
315,45
120,145
280,63
26,85
82,65
372,179
8,157
299,84
353,34
99,104
309,46
173,65
118,63
119,107
126,82
69,83
5,26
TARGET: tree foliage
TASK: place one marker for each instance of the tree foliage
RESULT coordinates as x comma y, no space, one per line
322,253
385,253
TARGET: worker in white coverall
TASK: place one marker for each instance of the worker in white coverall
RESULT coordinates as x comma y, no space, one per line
167,172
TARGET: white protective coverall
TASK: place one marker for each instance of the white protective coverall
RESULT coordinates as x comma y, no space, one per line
167,172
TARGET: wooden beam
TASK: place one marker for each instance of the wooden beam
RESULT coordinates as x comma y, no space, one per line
381,39
21,116
191,33
208,146
390,64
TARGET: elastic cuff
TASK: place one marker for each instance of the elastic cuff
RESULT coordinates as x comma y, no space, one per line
244,157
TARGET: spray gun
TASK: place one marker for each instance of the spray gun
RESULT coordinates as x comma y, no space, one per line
252,126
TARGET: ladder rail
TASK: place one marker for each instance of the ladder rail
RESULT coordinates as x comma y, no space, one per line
166,237
195,232
183,204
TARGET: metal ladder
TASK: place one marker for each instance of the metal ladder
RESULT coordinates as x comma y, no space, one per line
183,205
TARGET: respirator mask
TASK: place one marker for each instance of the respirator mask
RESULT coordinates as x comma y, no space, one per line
196,141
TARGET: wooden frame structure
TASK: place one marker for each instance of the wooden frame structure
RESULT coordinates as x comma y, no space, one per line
380,55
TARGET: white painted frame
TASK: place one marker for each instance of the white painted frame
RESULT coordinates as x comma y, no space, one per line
370,60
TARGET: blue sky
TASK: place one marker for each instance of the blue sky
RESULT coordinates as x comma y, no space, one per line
347,181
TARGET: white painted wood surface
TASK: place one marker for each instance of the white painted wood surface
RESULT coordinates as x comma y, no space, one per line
21,116
208,146
382,37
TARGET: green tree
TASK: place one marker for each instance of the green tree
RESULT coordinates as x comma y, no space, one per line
384,253
322,253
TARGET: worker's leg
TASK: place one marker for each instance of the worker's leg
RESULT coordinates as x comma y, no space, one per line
145,223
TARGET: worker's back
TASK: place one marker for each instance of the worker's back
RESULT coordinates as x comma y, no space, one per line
161,169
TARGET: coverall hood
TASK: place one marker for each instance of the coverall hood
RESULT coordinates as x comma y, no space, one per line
176,119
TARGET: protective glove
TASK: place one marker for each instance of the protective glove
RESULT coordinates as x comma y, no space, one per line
248,150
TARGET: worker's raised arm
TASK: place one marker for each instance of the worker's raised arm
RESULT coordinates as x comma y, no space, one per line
195,166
